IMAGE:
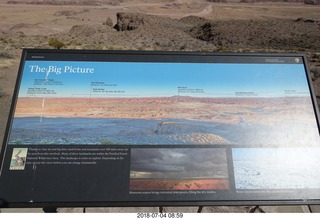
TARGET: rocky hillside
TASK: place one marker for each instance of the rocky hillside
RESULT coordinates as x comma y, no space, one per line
137,31
149,32
229,35
142,32
309,2
312,2
67,2
289,1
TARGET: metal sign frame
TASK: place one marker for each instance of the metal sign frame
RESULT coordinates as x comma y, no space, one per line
146,128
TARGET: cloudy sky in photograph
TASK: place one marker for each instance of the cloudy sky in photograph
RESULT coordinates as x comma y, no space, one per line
178,163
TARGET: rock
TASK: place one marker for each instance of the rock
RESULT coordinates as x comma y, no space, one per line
83,30
108,22
203,32
307,20
299,19
65,13
193,20
312,2
221,1
157,32
310,21
129,21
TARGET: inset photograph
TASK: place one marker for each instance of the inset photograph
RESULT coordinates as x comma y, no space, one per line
18,159
178,169
276,168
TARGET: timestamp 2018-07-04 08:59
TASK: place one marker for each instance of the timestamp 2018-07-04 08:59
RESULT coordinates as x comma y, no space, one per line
160,215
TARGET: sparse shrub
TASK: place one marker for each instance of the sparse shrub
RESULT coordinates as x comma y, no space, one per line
116,47
315,70
105,142
78,43
4,40
6,55
183,47
6,59
56,43
10,40
223,49
22,34
6,63
1,93
108,22
205,50
93,47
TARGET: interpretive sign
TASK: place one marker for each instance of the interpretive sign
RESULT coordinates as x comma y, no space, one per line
103,128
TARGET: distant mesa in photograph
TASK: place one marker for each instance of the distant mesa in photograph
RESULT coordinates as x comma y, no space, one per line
168,121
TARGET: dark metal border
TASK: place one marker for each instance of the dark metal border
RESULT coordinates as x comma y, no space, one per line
145,56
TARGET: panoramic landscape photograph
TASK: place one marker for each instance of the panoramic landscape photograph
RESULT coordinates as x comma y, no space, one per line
178,169
165,104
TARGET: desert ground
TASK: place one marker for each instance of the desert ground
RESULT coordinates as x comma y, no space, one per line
264,111
179,184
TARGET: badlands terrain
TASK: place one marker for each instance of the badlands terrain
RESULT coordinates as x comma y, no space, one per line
179,184
165,121
171,25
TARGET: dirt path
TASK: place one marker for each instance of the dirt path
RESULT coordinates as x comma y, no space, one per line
204,12
207,10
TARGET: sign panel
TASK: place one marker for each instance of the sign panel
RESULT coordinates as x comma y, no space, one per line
99,128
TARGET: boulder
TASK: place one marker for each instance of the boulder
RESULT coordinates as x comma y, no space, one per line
129,21
312,2
83,30
203,32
